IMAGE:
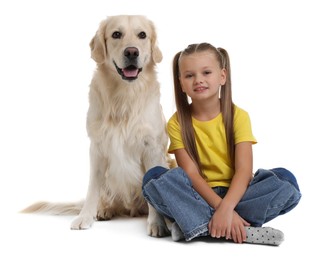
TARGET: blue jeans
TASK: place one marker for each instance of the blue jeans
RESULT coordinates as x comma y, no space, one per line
270,193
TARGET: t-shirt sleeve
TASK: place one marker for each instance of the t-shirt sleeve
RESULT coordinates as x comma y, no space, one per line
242,127
174,132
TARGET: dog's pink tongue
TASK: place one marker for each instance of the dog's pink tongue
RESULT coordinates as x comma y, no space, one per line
130,73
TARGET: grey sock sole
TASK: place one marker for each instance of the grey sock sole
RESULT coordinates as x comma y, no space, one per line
264,236
176,232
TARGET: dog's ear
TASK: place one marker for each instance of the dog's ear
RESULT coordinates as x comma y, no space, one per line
97,44
156,52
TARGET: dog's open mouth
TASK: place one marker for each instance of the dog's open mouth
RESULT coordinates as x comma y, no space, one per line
130,72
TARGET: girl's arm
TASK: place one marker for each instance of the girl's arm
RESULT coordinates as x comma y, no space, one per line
226,222
199,184
242,175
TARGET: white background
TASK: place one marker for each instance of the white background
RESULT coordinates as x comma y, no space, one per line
45,70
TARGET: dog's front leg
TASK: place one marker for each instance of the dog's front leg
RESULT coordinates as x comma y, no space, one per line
89,211
154,155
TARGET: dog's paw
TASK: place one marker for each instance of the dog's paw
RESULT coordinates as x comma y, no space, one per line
157,226
82,222
158,229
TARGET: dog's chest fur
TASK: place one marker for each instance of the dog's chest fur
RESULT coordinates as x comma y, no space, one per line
119,120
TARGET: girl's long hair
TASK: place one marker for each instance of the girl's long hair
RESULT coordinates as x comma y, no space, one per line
183,104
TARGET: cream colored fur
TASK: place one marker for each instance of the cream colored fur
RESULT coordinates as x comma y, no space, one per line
125,124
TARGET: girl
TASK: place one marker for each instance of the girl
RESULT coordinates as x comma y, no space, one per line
213,191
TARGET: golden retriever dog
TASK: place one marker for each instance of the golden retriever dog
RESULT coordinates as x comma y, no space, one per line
125,124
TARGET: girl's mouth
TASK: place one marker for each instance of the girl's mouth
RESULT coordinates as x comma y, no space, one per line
200,89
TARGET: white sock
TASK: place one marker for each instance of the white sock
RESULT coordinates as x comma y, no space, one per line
264,235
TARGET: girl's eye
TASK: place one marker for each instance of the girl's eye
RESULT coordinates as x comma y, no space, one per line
207,72
188,76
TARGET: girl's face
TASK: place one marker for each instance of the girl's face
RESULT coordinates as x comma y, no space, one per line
201,75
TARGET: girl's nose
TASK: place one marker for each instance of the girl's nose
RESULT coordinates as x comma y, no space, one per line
198,79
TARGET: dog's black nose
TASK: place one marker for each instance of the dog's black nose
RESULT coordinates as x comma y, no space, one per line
131,53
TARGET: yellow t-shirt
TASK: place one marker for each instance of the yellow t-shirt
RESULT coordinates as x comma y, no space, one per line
211,144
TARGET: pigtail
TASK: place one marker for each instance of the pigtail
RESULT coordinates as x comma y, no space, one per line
227,106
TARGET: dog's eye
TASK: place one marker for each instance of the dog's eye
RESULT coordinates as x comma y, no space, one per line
116,35
142,35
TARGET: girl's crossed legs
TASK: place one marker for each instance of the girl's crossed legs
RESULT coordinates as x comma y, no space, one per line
270,193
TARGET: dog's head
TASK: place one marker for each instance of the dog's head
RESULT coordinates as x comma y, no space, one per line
126,44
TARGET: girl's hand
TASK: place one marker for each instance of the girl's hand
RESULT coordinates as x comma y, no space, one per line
227,223
220,223
238,231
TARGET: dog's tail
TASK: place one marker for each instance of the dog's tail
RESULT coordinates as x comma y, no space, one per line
72,208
